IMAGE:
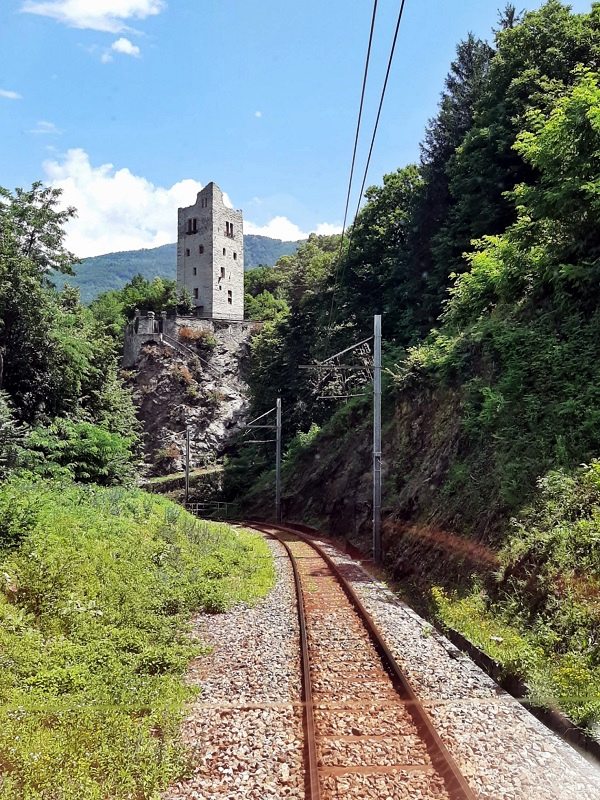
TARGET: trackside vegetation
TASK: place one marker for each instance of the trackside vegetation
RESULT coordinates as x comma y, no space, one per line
484,261
96,587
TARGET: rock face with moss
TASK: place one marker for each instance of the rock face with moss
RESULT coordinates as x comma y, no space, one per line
194,378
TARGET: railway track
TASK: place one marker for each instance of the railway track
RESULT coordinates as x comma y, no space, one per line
366,733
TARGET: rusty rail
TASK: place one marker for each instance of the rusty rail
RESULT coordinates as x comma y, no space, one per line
442,760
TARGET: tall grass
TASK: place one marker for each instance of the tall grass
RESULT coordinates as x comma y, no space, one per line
96,586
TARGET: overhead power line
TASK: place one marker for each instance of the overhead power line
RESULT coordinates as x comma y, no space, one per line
371,146
356,138
360,111
383,91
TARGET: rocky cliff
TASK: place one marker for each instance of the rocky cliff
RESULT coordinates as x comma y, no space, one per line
192,379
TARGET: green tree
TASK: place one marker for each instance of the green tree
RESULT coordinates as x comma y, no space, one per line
34,224
376,274
87,453
533,67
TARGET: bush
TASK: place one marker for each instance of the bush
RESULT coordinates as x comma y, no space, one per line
300,442
204,340
11,435
93,643
183,375
540,616
88,453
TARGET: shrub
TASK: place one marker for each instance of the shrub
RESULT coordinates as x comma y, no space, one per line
165,456
182,375
204,340
11,435
86,452
300,442
93,642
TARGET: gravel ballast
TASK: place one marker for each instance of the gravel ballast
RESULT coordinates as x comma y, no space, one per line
503,751
244,731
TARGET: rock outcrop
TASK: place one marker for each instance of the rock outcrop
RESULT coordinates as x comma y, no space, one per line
193,379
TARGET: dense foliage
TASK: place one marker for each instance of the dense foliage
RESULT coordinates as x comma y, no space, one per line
508,177
58,360
95,588
484,260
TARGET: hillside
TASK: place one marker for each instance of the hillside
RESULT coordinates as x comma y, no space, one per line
113,270
484,261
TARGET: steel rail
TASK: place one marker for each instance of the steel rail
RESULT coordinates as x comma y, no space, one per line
313,788
443,761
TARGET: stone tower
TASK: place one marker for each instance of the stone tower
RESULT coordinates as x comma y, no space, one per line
210,255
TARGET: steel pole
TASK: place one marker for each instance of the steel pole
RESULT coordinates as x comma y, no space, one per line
377,547
278,463
187,463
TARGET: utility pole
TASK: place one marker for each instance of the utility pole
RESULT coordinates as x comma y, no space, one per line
187,463
278,463
377,548
277,427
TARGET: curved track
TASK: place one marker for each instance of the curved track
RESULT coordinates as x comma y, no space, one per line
366,733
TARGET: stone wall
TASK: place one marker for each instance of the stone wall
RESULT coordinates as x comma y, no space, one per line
210,255
165,330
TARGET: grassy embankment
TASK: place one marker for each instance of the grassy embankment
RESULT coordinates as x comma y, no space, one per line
96,586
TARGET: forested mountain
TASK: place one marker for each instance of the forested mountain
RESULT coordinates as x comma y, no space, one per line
113,270
484,259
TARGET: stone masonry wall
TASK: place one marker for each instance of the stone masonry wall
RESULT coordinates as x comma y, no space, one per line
210,255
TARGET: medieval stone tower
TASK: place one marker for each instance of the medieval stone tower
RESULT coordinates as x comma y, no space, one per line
210,255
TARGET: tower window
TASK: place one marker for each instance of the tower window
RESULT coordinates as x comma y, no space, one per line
192,225
195,271
224,251
235,256
230,297
222,272
187,251
201,249
196,293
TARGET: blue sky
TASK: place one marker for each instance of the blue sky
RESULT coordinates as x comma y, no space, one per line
130,105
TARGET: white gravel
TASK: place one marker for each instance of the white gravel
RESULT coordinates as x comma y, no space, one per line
244,730
504,752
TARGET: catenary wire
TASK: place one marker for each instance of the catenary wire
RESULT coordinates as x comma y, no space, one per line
365,174
356,136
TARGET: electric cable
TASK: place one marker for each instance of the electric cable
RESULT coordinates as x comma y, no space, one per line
373,137
356,138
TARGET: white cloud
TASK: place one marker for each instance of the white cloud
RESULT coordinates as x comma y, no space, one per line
284,228
277,228
118,210
126,47
45,127
258,114
8,95
327,229
98,15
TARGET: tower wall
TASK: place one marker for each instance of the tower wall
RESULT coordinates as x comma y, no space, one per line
210,255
